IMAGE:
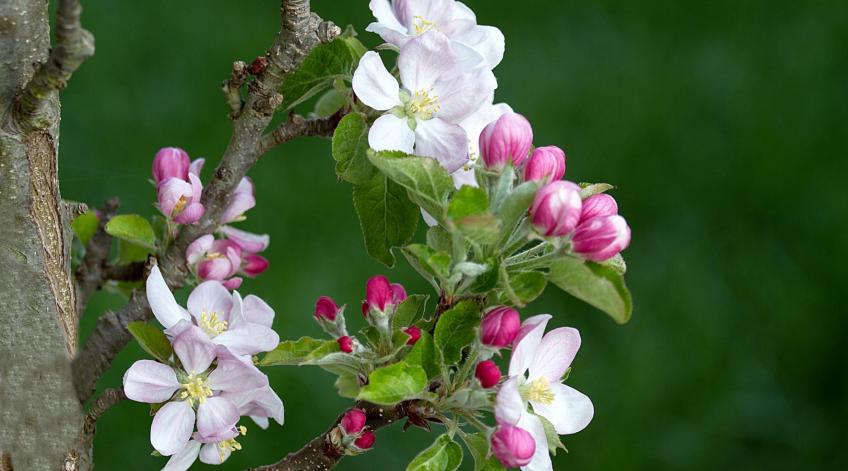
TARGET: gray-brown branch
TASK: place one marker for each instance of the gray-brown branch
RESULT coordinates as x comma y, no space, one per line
300,31
89,275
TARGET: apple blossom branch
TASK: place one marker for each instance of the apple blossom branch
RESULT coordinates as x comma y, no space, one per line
301,30
73,46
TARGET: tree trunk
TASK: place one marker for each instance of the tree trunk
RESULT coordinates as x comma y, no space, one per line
41,416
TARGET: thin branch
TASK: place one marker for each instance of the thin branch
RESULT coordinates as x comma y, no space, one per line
301,30
298,126
131,272
232,88
79,458
89,274
73,46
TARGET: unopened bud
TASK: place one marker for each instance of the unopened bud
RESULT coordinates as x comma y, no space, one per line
508,139
598,205
602,237
326,308
353,421
414,334
170,162
366,440
500,327
556,210
488,373
546,164
513,446
345,344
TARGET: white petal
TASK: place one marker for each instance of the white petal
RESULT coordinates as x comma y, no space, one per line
150,381
570,412
488,41
233,374
463,177
194,349
509,407
198,249
211,453
555,353
183,460
216,415
435,11
463,12
374,85
442,141
262,422
257,311
391,133
541,458
428,219
210,297
526,343
172,427
235,317
248,339
463,95
385,15
426,59
162,301
390,35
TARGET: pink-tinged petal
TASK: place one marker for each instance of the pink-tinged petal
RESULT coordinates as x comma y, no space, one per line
391,133
390,35
150,381
254,265
555,353
526,343
212,453
262,422
196,166
210,297
398,293
258,403
374,85
598,205
172,427
233,283
509,406
425,60
601,238
462,96
570,412
172,193
488,41
196,187
197,249
234,257
178,328
191,214
541,458
385,15
182,460
216,415
162,301
214,269
170,162
435,11
225,434
442,141
248,241
378,292
463,12
248,339
239,204
194,349
235,374
257,311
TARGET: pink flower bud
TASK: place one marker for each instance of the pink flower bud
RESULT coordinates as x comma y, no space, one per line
254,265
241,200
366,440
487,373
500,327
598,205
508,139
233,283
414,334
398,293
326,308
379,293
364,308
180,200
220,261
170,162
248,241
546,164
556,209
353,421
345,344
602,237
513,446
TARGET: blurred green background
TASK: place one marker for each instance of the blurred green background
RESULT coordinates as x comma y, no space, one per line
723,124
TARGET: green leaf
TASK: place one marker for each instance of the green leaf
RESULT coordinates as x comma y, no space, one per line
85,226
350,149
129,252
427,261
132,228
394,383
439,239
527,286
295,352
348,386
455,330
318,71
410,311
554,442
443,455
423,354
590,189
387,217
468,201
598,285
478,445
330,103
617,263
480,228
426,181
152,340
514,207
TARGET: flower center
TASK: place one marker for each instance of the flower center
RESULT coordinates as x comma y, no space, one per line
538,390
423,105
180,206
230,445
210,324
194,390
215,255
422,25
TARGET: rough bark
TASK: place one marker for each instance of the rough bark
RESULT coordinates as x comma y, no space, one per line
40,416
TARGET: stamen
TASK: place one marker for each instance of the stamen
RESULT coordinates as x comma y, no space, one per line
538,390
422,25
211,325
194,390
423,104
180,206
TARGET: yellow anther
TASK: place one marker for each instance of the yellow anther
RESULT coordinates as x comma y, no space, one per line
210,324
215,255
180,206
539,390
422,25
423,104
194,390
242,430
224,446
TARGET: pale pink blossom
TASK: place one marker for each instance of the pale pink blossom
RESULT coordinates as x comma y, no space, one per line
241,200
170,162
179,200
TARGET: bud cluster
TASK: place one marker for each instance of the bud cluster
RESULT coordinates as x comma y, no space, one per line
352,434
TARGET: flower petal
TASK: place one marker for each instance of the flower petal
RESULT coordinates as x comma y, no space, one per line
478,121
555,353
211,453
374,85
215,415
234,374
248,241
570,412
248,339
385,15
197,249
462,96
442,141
391,133
257,311
541,457
162,301
183,459
150,381
509,406
488,41
172,427
526,343
426,59
170,192
210,297
194,349
196,166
